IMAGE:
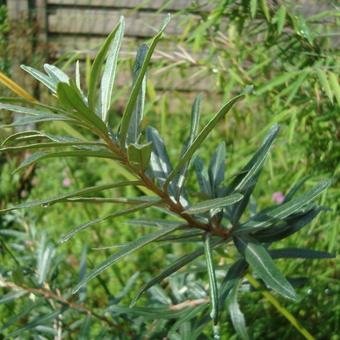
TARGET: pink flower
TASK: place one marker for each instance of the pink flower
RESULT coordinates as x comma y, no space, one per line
278,197
67,182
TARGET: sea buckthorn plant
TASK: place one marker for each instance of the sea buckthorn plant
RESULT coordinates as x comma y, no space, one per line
215,218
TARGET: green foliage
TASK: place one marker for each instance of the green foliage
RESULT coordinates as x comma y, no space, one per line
203,219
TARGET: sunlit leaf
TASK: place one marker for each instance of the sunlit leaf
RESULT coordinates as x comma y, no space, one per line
263,265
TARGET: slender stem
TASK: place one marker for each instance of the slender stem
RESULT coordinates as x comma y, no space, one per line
49,295
290,317
175,207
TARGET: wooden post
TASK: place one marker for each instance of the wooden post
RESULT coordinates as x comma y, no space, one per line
20,40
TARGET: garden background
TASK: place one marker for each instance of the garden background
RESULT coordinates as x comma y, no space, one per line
287,50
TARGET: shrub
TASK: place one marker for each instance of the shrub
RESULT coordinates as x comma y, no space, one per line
211,218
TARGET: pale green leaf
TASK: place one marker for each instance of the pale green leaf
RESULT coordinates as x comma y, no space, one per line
88,224
214,203
214,314
76,193
109,72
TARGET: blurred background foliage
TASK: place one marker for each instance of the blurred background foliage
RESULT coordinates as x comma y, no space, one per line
293,62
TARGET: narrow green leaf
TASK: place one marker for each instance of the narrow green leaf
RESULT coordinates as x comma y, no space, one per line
39,320
11,138
195,118
126,119
234,274
212,278
266,218
236,314
217,168
298,253
334,83
76,193
109,73
41,77
56,74
214,203
290,226
44,262
71,98
39,119
150,312
13,296
96,68
139,155
281,18
160,162
37,156
124,251
88,224
295,188
247,174
253,8
137,115
202,177
202,136
173,268
322,75
263,265
24,110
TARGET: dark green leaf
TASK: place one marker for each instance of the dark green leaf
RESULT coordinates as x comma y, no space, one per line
139,155
216,168
71,98
124,251
265,219
290,226
263,265
236,314
298,253
174,267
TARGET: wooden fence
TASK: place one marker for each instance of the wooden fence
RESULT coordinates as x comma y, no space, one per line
80,25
